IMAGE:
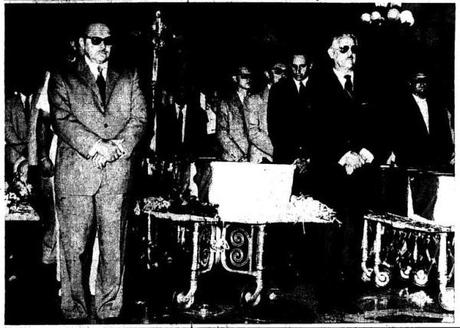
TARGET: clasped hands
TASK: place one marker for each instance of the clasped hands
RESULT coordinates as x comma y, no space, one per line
107,151
352,160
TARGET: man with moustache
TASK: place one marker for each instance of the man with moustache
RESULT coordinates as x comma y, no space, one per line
342,153
99,114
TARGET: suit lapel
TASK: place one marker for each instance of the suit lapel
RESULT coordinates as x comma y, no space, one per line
112,78
420,123
89,80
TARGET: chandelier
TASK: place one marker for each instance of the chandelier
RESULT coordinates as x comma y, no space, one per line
385,12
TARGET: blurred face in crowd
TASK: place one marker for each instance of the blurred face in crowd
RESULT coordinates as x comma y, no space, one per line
180,96
243,78
419,84
343,52
278,72
300,67
97,43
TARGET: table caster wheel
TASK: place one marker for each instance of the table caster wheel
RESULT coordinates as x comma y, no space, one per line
182,301
382,278
366,275
246,298
420,278
404,273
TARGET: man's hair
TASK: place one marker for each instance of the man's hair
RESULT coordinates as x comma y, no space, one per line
236,70
84,27
300,52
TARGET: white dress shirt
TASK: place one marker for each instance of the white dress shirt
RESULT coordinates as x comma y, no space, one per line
304,82
341,77
184,115
423,107
94,68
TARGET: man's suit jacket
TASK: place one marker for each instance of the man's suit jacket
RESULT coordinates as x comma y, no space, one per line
413,145
232,129
340,123
288,116
80,119
169,132
261,146
20,129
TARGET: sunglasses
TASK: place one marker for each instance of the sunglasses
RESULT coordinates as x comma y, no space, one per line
345,49
279,71
245,76
95,40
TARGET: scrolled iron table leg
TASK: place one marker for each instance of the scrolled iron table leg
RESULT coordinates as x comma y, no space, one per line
382,277
186,300
367,272
255,297
446,295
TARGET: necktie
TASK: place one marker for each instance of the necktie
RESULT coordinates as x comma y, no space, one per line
27,109
101,84
348,85
301,88
180,123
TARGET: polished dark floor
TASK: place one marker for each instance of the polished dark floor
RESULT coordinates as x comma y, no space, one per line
289,296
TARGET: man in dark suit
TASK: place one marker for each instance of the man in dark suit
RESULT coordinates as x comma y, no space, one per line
289,105
342,150
420,139
99,114
181,126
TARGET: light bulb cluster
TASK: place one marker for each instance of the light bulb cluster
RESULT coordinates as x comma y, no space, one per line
385,11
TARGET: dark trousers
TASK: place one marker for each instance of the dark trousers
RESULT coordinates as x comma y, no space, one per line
49,242
349,196
424,188
80,218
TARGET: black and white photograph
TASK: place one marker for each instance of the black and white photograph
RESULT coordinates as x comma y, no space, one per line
224,164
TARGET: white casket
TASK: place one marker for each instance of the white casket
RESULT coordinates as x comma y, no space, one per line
445,209
446,206
249,192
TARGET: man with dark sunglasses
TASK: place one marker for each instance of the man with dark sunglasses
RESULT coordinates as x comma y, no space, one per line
232,119
342,158
99,115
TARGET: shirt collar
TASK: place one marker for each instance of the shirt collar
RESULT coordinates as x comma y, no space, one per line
304,82
184,109
94,68
417,98
341,76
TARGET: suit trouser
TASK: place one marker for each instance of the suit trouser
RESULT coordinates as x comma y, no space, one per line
349,196
80,218
49,242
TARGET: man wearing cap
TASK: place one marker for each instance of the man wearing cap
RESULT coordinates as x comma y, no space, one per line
99,114
261,148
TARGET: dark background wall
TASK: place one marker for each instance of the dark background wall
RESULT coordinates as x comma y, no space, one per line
212,38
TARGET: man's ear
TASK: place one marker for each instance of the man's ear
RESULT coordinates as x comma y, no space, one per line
330,51
81,41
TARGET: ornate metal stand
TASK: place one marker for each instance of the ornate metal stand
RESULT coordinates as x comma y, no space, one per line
414,247
237,247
